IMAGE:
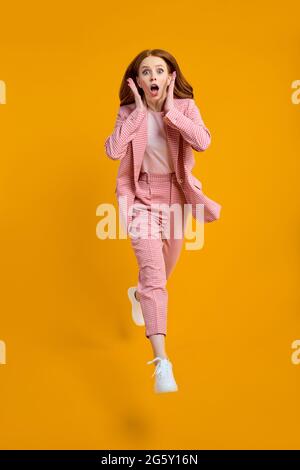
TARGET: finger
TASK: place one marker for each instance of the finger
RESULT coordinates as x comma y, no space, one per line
172,84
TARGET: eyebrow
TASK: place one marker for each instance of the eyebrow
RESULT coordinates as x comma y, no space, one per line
147,66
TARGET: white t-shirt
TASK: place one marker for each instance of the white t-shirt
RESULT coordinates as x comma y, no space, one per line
157,158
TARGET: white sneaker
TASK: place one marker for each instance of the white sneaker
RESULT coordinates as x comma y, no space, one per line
164,378
136,311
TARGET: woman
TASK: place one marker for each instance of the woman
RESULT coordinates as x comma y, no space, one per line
157,126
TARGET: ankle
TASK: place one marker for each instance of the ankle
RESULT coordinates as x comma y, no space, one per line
162,356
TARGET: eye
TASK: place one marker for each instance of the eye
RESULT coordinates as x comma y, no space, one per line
162,70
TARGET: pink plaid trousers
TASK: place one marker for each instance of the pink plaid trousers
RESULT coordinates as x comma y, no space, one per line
157,235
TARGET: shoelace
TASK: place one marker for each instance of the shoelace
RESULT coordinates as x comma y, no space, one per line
163,365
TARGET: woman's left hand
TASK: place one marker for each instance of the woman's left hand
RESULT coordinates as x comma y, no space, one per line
169,103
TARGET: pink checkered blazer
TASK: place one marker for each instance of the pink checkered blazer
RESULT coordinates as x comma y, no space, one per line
185,130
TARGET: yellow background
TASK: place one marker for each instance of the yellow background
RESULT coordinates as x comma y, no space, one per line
76,373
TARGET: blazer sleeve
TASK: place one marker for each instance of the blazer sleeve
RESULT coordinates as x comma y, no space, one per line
191,127
124,131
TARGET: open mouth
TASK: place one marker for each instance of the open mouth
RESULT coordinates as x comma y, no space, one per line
154,89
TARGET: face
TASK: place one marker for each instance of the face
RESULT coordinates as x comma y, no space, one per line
153,70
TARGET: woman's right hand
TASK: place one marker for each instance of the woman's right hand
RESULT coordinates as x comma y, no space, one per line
138,99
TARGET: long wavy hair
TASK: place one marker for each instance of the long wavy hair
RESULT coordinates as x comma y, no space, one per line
182,89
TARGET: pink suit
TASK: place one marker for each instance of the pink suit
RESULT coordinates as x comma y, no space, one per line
156,256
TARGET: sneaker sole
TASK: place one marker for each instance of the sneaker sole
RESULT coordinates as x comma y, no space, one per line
136,311
170,390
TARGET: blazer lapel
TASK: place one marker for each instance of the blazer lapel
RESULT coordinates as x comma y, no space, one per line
173,136
139,144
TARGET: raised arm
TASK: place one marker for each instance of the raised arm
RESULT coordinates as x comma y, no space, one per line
124,131
191,127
